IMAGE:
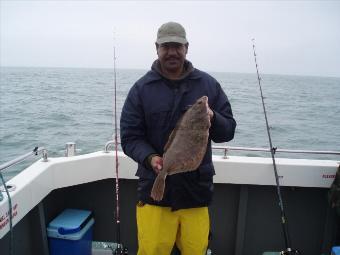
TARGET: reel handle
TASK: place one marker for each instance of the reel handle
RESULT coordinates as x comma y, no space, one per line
290,252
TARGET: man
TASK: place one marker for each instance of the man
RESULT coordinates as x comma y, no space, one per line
151,110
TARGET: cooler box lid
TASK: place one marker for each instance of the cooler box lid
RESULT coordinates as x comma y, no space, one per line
69,223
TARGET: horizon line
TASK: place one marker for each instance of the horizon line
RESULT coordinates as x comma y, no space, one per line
141,69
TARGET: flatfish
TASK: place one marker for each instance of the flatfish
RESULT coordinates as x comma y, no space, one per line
186,145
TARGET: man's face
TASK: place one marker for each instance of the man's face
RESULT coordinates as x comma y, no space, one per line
172,56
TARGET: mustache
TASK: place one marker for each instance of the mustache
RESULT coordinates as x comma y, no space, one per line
172,58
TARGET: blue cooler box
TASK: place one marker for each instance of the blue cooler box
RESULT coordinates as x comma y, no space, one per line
336,250
70,233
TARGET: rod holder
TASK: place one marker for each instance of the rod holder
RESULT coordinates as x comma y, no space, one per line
70,149
44,155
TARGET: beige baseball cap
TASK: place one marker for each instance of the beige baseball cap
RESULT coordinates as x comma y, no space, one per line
171,32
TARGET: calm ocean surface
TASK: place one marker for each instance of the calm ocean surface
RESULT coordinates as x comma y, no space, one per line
52,106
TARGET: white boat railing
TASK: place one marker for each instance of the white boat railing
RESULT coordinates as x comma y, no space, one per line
225,149
19,159
231,148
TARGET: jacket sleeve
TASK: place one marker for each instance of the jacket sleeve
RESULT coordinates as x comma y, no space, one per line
133,129
223,123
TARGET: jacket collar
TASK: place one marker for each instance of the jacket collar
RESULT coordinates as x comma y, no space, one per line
154,74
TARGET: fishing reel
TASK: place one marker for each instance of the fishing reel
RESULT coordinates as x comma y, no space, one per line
120,250
290,251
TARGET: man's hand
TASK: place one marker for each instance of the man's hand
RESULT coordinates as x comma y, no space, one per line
156,163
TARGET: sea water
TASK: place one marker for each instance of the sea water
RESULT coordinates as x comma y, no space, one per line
52,106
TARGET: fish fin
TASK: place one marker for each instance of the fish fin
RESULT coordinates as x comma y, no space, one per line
157,191
170,139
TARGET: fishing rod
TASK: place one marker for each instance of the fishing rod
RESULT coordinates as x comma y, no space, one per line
119,249
289,250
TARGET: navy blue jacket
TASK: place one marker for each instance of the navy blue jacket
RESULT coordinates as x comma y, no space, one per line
152,108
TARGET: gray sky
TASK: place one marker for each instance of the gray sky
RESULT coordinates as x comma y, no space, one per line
292,37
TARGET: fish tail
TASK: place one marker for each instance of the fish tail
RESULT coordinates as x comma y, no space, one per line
158,186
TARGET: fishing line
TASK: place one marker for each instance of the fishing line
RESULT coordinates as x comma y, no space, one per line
11,240
10,208
289,250
119,249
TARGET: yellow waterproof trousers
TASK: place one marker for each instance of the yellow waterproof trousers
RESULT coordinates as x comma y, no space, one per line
159,229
